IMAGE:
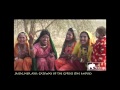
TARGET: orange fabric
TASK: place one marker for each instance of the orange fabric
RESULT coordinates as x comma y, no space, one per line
16,49
18,65
69,50
59,63
23,64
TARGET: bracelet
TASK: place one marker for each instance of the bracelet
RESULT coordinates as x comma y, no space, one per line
31,48
16,58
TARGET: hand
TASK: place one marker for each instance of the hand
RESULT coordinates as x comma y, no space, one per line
31,39
73,57
51,54
84,60
16,58
71,61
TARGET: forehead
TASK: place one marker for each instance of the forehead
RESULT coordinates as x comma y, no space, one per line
45,35
21,35
83,34
69,32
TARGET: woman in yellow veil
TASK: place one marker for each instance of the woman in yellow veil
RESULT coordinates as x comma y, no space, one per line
82,51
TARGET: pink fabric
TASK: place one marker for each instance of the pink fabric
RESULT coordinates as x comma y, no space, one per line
44,61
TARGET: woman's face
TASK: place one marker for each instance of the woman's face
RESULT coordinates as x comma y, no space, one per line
22,38
69,35
44,39
84,38
97,34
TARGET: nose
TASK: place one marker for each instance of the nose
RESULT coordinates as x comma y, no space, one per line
21,39
67,36
46,39
82,38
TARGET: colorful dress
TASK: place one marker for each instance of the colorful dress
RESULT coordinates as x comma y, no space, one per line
83,54
62,64
99,52
23,60
44,61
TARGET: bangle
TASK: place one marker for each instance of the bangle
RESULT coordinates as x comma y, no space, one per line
16,58
31,48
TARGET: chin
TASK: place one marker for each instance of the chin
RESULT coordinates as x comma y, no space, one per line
68,39
45,43
22,43
83,43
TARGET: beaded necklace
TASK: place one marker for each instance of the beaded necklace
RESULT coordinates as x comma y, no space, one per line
83,54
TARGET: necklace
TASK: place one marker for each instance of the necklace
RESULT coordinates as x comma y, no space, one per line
83,56
43,46
20,50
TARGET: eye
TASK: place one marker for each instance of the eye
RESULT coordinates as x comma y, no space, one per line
84,36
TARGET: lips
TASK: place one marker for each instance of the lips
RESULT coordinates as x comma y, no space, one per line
82,41
67,38
45,41
22,42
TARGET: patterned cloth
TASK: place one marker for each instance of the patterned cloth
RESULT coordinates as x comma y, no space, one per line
99,52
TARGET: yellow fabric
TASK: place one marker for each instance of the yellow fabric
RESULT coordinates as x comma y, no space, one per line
77,49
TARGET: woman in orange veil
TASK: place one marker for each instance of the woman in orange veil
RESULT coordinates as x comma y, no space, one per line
22,59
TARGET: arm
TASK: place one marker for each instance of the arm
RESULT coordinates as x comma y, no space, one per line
90,53
32,49
102,52
62,52
52,54
75,52
76,49
16,56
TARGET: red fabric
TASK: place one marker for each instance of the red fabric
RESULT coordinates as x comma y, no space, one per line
62,64
73,66
99,52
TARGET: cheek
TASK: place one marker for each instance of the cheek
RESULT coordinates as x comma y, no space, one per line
42,39
67,36
86,40
97,35
71,37
18,39
25,39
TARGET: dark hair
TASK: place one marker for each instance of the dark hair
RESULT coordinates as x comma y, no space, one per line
86,33
73,40
71,30
43,32
101,30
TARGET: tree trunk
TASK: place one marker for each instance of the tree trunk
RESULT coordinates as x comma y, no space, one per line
25,26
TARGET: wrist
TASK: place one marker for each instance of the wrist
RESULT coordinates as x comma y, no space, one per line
16,58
